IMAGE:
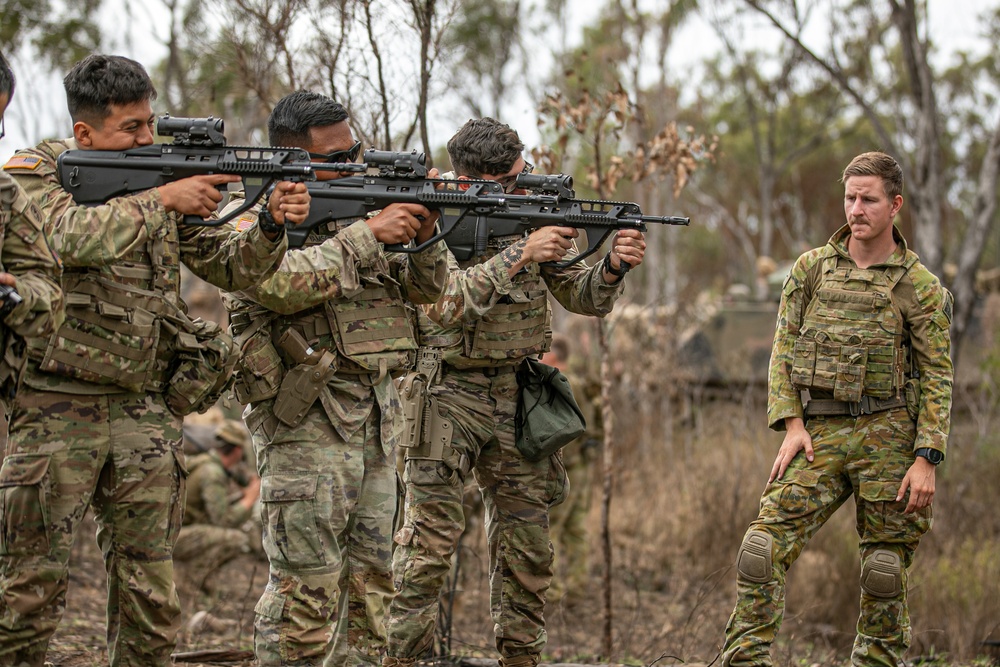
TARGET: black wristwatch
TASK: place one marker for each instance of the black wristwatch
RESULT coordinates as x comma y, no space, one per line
622,269
933,456
267,223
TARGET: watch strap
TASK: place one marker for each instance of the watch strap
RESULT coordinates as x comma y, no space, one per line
933,456
620,271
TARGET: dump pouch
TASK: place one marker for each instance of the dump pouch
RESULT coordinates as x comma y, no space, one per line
204,359
547,416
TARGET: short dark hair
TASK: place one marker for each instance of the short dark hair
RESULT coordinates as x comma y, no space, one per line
296,113
97,82
7,78
484,146
877,163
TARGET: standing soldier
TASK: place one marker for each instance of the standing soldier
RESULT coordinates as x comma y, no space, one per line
860,381
98,420
493,316
31,303
320,339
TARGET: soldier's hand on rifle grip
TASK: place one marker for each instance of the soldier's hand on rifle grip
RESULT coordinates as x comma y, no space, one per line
549,244
289,202
628,247
7,279
401,222
195,195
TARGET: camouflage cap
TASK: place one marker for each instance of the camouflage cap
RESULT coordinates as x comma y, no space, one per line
232,432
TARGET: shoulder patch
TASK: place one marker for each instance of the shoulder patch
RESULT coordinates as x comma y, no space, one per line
245,222
26,162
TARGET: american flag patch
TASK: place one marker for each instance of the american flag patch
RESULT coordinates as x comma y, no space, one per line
245,221
23,162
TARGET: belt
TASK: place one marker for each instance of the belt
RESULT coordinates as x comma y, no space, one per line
488,371
866,406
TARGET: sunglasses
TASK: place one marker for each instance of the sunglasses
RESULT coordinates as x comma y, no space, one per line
509,183
350,155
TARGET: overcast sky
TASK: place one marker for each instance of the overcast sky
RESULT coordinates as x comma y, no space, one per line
39,106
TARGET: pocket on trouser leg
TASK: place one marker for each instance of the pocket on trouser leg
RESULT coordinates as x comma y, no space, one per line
292,534
24,505
296,627
885,520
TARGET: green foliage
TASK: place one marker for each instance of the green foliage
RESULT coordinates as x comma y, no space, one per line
482,41
61,37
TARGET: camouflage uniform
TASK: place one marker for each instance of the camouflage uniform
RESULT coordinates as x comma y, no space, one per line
328,478
485,325
25,254
842,332
79,436
210,535
567,520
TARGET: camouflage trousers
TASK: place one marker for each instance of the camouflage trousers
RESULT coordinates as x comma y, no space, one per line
868,457
567,523
204,548
121,454
327,511
517,495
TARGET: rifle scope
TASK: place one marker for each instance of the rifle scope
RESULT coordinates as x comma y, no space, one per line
398,162
557,184
200,131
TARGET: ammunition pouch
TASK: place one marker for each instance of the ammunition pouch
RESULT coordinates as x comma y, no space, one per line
259,370
204,359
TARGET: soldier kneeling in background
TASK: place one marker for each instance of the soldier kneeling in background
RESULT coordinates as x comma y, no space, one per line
217,527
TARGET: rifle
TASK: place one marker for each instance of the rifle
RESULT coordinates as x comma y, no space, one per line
470,217
388,177
597,217
199,147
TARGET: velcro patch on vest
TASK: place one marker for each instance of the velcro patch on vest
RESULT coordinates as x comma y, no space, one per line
23,162
245,222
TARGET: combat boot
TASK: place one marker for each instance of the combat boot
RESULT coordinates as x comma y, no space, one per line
389,661
523,660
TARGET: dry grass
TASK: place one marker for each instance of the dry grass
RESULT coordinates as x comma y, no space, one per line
687,483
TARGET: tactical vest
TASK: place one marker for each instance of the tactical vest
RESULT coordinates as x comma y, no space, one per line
372,332
514,328
113,330
852,338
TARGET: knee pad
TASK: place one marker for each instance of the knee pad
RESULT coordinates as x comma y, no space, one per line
754,560
882,574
